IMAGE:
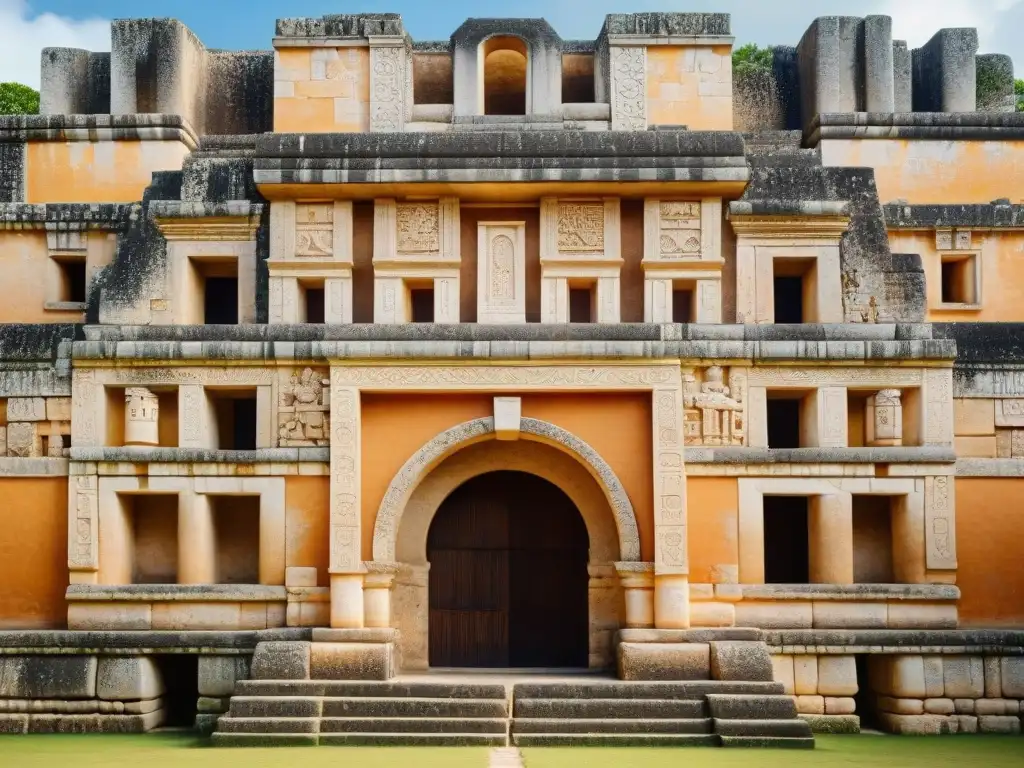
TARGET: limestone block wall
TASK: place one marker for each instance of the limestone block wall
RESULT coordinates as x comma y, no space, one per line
321,90
690,86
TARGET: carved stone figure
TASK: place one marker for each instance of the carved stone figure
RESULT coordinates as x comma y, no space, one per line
713,414
303,412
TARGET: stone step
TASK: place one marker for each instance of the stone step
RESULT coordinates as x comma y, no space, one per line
613,740
427,725
745,707
274,706
408,707
695,689
279,725
609,708
220,739
767,741
414,739
795,728
369,689
611,725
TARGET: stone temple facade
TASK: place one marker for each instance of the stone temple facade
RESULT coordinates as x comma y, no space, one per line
328,367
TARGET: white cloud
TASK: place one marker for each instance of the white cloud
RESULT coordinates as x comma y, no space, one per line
917,20
24,34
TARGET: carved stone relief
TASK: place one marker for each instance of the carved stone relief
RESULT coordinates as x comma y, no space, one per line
670,555
581,227
387,88
345,478
418,228
714,414
303,411
314,230
503,270
501,279
680,231
36,427
82,523
629,88
940,522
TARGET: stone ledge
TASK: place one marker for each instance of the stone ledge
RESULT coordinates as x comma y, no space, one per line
748,456
341,25
63,641
945,126
145,455
663,24
830,208
62,217
698,635
189,593
899,640
851,592
999,214
92,128
36,467
366,635
177,209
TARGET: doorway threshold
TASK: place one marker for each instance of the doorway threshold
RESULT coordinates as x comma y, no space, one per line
511,675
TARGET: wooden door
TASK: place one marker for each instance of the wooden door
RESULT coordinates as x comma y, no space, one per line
508,576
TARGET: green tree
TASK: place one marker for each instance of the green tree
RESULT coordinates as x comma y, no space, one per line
18,99
750,57
1018,90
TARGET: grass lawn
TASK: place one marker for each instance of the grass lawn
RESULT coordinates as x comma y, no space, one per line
163,751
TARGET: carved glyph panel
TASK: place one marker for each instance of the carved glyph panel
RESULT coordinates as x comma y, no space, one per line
501,266
314,230
940,522
670,555
680,230
387,88
714,413
82,523
418,229
345,480
303,410
581,227
629,88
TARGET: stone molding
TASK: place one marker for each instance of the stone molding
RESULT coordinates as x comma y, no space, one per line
93,128
962,126
66,217
186,593
392,506
35,467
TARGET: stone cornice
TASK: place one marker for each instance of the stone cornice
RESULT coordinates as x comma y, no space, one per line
999,214
65,217
234,220
790,226
941,126
143,127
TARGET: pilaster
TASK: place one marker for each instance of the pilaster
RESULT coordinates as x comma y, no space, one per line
628,87
388,54
346,565
671,563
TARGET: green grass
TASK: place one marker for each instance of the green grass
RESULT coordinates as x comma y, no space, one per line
164,751
167,751
862,751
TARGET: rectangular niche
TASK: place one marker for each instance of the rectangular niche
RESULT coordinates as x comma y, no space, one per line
786,540
872,539
501,272
153,522
234,423
236,525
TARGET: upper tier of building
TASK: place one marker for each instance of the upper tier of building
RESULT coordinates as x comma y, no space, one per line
363,72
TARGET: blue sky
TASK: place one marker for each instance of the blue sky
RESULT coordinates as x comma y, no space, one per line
26,26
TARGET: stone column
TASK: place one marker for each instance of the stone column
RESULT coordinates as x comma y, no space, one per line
945,72
346,564
671,562
197,541
637,580
884,418
830,538
377,594
879,84
141,417
193,417
824,423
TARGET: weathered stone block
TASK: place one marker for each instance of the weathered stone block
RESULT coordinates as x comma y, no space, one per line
109,616
712,614
900,706
837,675
934,679
13,723
917,725
48,677
774,615
26,409
840,705
906,677
295,576
805,675
939,706
218,674
921,616
995,707
213,704
352,661
128,678
58,409
966,723
993,677
281,661
736,660
843,615
664,661
1012,676
832,723
964,706
964,677
782,671
810,705
999,724
24,441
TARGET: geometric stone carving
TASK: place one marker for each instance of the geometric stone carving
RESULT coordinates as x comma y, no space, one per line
628,76
680,233
83,509
412,472
303,412
884,418
501,270
141,417
713,414
581,227
387,83
314,230
24,440
670,546
417,228
346,469
940,522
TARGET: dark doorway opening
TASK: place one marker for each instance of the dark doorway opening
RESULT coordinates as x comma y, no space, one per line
180,673
783,422
865,702
581,302
422,302
220,301
508,576
786,545
789,299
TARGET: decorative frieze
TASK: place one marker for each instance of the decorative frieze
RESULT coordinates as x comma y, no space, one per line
679,235
714,413
953,240
303,411
418,228
83,509
581,227
628,87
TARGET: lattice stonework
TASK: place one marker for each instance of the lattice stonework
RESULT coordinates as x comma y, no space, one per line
314,230
581,227
680,233
418,228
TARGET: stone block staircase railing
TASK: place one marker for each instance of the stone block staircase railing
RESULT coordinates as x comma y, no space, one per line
696,713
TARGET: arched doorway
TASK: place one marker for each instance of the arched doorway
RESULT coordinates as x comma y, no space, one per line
508,576
504,59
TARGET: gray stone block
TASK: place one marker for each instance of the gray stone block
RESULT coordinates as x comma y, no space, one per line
206,723
281,661
664,661
771,742
688,635
13,723
95,723
739,660
879,85
995,83
264,739
48,677
128,678
789,728
999,724
352,661
218,674
832,723
945,72
213,704
275,706
746,707
903,77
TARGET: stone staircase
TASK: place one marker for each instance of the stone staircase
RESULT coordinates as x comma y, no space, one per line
700,713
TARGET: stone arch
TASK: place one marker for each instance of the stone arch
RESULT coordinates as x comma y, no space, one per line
504,80
418,467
